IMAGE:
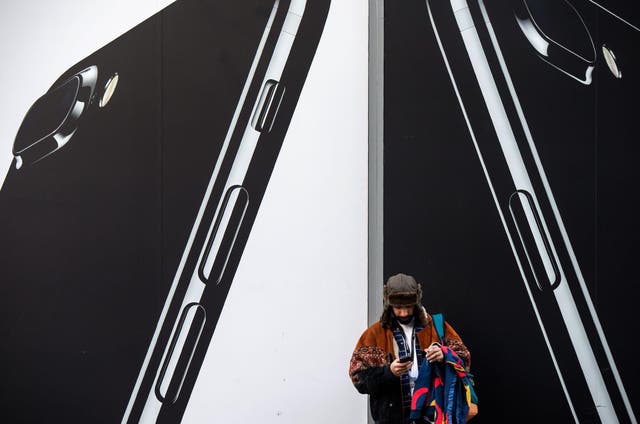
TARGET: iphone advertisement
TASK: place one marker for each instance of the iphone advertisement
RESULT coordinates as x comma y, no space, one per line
179,209
184,204
511,124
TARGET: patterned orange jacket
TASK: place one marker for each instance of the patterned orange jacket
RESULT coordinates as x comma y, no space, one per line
370,370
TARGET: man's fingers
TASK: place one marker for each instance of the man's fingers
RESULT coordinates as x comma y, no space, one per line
434,356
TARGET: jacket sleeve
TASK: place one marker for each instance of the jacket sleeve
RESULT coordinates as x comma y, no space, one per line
453,341
369,367
372,379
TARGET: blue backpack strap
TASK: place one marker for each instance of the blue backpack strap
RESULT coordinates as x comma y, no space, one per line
438,322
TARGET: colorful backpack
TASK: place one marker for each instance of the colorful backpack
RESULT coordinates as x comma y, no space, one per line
438,322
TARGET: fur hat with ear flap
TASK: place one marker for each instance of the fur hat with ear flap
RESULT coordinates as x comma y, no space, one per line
403,290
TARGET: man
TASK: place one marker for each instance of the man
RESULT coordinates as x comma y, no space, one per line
405,328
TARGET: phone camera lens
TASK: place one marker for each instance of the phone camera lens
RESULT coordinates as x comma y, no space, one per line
53,119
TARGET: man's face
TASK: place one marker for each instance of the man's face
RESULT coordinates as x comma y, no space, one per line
404,314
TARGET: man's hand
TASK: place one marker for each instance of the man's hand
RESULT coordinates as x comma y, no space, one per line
434,353
398,368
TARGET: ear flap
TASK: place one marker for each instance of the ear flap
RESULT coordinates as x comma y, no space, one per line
385,296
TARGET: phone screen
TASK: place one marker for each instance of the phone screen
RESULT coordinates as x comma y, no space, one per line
93,234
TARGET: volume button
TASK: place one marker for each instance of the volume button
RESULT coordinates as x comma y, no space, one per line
267,107
535,242
180,352
223,235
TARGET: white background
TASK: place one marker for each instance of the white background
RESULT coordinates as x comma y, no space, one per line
299,299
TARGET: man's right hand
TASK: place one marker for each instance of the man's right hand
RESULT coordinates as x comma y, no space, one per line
398,368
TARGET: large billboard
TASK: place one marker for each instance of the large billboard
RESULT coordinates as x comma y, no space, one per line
179,208
511,193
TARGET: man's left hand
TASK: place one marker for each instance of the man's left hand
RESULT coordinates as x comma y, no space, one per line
434,353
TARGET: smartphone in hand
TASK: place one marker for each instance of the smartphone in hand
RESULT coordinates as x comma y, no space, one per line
404,359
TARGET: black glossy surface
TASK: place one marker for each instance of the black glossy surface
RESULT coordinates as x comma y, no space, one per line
92,236
441,223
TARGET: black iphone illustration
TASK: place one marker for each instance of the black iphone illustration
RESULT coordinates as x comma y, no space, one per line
119,185
476,41
163,391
